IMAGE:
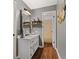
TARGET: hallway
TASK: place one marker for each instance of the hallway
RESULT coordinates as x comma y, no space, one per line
48,52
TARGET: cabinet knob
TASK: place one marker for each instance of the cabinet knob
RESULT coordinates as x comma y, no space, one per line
18,57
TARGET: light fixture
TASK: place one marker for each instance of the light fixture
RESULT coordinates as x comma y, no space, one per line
27,11
61,15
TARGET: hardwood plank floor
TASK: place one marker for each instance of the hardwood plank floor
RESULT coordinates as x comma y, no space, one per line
48,52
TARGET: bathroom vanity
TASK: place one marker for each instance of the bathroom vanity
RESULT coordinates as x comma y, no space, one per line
27,46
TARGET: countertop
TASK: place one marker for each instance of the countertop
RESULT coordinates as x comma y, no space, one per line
31,36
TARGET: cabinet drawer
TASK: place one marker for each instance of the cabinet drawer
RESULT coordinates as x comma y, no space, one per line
31,52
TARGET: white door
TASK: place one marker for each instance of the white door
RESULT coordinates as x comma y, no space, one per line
16,17
51,15
54,31
14,31
47,28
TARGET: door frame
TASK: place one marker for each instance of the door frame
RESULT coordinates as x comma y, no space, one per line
53,15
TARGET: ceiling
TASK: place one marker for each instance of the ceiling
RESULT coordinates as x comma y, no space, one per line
34,4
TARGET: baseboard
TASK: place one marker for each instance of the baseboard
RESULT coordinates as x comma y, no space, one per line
58,53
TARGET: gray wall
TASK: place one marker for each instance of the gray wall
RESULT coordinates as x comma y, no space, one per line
61,32
38,12
18,4
61,39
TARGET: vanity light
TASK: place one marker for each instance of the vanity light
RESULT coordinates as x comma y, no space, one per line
27,11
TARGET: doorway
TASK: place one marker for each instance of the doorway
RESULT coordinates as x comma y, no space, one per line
47,34
49,27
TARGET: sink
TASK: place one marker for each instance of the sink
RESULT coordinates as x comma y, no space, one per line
30,36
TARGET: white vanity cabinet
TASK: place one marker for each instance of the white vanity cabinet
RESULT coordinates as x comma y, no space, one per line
27,46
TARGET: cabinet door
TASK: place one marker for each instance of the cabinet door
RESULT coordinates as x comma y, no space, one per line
23,49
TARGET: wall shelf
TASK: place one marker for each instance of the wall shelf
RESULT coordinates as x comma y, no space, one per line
26,24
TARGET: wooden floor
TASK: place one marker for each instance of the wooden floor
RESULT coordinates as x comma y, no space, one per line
48,52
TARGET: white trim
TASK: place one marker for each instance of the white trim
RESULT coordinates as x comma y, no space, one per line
42,35
58,53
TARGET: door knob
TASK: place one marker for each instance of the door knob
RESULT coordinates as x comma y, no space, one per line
13,34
